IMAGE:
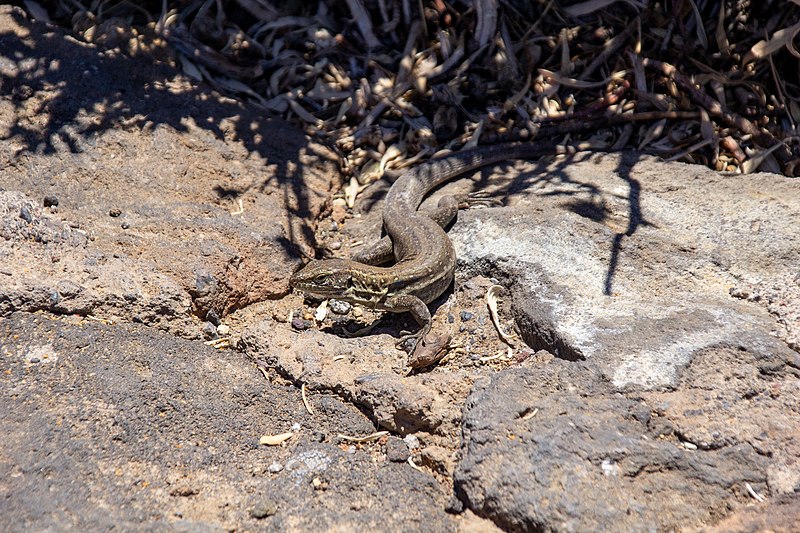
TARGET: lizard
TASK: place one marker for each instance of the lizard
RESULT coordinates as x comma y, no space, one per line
424,257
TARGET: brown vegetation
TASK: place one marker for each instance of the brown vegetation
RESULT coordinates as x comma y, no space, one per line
390,82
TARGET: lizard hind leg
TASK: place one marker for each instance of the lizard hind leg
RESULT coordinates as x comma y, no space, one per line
377,253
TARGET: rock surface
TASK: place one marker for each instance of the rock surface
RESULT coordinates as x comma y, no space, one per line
633,266
151,213
650,461
170,203
123,427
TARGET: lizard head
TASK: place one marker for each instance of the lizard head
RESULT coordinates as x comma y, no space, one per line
329,278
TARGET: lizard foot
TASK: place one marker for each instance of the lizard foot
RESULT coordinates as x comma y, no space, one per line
408,342
429,351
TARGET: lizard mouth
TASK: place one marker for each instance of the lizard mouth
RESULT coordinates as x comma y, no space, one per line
313,290
316,291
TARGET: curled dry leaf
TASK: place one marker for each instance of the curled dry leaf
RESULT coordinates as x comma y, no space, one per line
491,301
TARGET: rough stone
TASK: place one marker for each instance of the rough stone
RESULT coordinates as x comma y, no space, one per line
396,450
556,447
128,428
631,265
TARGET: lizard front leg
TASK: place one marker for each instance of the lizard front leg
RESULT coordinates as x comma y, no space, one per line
417,308
426,349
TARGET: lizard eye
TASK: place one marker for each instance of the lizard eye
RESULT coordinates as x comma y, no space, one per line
324,279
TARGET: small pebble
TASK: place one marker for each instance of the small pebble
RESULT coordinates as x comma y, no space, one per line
300,324
51,201
334,226
466,315
184,491
358,312
223,330
213,317
125,225
450,318
335,245
339,307
25,214
34,360
274,468
296,427
209,331
263,509
412,441
115,213
396,450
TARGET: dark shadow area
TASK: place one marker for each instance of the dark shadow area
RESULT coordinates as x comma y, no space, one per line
82,91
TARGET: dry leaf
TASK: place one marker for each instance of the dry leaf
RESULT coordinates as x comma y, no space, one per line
778,40
367,438
722,37
653,132
486,26
392,153
760,158
321,312
189,68
275,440
351,191
579,84
37,11
701,32
491,302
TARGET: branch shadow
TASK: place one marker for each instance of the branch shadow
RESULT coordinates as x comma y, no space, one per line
61,94
581,197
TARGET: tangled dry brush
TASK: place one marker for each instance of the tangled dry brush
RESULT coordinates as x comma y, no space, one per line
390,82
